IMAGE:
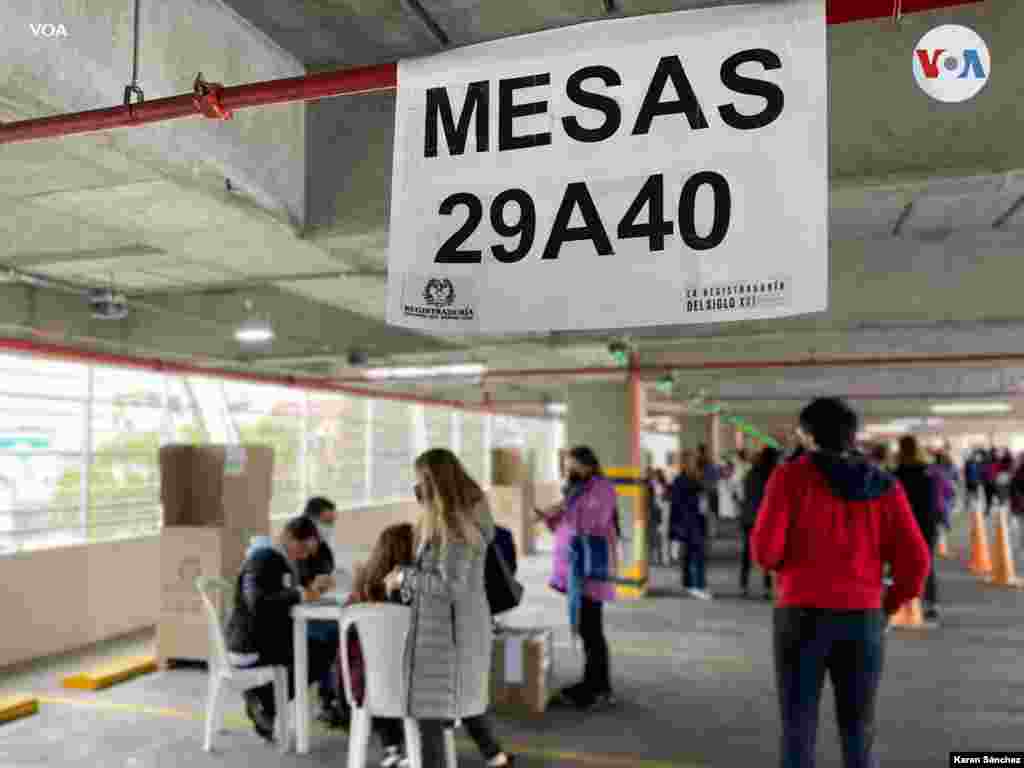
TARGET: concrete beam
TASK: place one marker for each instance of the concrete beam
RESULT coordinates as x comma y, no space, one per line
886,383
262,151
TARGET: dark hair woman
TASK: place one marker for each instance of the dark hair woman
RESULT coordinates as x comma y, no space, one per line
753,492
589,508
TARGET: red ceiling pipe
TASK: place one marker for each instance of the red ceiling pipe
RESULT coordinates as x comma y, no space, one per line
723,365
156,365
345,82
843,11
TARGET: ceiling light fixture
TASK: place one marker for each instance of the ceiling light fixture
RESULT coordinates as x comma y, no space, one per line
886,429
970,409
254,330
439,371
556,409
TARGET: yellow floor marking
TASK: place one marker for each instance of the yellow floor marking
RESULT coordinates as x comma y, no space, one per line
240,722
113,672
17,707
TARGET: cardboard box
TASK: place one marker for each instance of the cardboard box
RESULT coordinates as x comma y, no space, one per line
522,665
186,553
217,485
507,467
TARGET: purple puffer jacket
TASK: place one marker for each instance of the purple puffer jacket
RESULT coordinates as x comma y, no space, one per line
591,513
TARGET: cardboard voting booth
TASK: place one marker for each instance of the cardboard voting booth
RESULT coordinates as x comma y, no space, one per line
215,498
522,664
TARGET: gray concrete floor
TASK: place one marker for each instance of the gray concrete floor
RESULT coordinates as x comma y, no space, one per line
695,680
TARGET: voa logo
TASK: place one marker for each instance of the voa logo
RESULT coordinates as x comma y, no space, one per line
49,30
952,63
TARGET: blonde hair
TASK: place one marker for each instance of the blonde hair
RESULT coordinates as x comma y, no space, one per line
448,511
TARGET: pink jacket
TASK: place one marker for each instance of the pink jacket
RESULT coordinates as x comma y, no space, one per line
592,513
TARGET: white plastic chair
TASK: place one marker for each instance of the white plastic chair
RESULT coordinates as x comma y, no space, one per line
383,630
224,676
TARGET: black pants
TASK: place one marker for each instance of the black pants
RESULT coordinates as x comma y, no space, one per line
745,564
321,656
390,731
849,645
480,729
931,588
432,742
655,550
596,666
990,498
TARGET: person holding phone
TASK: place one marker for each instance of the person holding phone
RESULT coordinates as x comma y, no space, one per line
317,571
590,507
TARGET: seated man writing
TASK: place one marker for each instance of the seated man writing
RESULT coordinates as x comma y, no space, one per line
260,628
320,566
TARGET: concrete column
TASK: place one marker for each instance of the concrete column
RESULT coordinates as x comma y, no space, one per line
690,432
714,437
740,439
607,417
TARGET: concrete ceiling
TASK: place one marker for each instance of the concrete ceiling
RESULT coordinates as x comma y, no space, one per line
287,206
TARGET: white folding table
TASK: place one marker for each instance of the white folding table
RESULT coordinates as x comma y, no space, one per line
329,608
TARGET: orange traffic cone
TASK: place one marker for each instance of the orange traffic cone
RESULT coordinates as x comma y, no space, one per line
1003,570
942,548
909,616
981,561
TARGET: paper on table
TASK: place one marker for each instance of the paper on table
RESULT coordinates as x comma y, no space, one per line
514,650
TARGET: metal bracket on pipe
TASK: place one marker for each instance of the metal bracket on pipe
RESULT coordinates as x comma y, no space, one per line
129,91
207,98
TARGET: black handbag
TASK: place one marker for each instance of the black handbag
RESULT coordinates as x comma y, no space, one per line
503,591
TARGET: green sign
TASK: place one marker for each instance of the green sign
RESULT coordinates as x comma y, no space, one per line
24,443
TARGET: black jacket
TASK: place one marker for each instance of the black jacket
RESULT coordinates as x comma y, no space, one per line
261,620
920,490
320,564
754,485
653,507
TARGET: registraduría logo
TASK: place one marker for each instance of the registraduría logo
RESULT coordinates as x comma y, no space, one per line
439,292
439,298
952,63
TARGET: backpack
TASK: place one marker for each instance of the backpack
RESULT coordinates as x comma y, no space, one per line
503,591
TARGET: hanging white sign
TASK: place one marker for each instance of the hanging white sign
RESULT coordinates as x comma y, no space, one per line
661,170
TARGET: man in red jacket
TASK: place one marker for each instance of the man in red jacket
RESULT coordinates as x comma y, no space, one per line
829,523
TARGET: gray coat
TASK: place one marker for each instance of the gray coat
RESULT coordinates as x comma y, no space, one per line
448,653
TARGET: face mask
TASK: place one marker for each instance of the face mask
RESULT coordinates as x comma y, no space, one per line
326,531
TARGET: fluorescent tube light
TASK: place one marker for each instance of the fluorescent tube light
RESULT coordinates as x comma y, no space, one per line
556,409
453,371
254,332
885,429
969,409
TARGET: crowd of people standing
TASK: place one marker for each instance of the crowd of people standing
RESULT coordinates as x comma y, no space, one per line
843,540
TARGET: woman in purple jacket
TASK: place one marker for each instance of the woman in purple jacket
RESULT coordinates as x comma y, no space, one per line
589,508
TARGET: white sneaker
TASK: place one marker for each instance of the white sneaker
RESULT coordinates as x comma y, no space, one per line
702,594
393,758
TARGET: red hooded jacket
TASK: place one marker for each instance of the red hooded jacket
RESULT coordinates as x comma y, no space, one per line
828,525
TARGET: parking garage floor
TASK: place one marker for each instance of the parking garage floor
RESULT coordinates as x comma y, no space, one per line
695,679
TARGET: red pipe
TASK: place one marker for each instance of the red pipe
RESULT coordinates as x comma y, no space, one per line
843,11
339,83
67,353
303,88
733,365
